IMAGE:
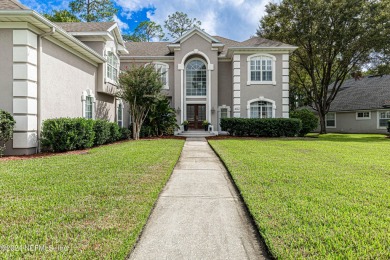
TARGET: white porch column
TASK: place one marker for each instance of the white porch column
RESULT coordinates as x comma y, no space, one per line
181,68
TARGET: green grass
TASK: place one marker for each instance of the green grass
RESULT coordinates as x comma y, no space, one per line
326,197
92,205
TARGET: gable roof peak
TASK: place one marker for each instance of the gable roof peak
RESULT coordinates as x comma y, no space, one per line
195,30
12,5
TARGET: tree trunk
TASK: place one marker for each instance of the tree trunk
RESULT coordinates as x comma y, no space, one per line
322,123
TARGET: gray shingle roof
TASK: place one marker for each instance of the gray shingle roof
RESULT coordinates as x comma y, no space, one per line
366,93
86,27
161,49
12,5
147,48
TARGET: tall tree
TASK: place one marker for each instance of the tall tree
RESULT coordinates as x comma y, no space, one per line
140,87
61,16
146,31
333,36
131,38
93,10
178,23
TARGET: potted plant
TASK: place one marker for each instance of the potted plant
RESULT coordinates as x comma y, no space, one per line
185,124
206,125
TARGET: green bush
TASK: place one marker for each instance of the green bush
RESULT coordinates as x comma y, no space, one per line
308,118
66,134
102,131
115,132
267,127
125,133
388,126
7,124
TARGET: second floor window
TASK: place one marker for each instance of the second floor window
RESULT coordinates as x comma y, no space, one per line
162,68
112,66
261,69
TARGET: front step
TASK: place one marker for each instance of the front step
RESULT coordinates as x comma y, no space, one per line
195,134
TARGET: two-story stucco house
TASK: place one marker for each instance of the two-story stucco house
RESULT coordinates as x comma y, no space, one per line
50,70
53,70
211,77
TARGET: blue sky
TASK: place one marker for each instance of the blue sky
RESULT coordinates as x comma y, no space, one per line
234,19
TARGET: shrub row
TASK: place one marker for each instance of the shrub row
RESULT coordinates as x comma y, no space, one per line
66,134
267,127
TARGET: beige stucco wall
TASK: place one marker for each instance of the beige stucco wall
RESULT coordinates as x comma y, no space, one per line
64,77
346,122
97,46
196,42
225,84
6,63
268,91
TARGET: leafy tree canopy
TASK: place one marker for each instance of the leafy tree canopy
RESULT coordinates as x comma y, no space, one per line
334,37
140,87
178,23
146,31
93,10
61,16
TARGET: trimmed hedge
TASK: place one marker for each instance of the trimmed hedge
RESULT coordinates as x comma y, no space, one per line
7,124
308,118
265,127
388,126
66,134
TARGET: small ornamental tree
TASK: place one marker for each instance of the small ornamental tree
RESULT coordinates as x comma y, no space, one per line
140,86
308,118
7,124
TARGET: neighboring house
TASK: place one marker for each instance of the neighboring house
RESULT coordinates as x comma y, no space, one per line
361,106
211,77
53,70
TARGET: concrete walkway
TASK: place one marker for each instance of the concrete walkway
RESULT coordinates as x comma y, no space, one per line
198,215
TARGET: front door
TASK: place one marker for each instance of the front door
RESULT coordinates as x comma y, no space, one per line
196,114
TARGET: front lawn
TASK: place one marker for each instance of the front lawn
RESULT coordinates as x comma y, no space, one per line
326,197
85,206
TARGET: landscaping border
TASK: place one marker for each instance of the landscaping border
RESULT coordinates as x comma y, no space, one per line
248,214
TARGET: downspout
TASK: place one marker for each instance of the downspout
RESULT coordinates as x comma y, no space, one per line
39,71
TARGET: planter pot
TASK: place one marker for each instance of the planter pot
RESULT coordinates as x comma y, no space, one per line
185,127
206,127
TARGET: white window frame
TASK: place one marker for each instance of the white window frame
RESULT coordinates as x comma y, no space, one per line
363,118
119,103
326,120
165,86
185,78
220,112
261,98
111,66
256,57
378,117
88,93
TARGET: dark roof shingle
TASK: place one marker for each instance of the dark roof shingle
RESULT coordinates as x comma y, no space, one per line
147,48
86,27
366,93
12,5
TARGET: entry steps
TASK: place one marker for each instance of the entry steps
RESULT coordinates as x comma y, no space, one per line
196,134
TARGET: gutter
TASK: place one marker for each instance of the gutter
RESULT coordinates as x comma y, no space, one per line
39,92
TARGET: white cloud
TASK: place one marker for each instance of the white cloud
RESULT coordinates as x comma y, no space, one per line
122,25
235,19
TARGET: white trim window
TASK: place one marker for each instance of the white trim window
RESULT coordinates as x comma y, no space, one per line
362,115
383,118
330,120
163,69
112,66
196,78
261,69
88,104
261,109
119,113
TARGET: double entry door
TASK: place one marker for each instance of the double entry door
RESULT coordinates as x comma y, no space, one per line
196,114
